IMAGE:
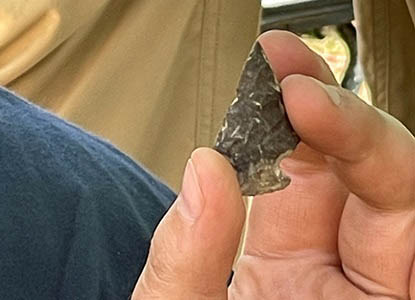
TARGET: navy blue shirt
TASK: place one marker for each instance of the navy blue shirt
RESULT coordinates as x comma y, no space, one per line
76,214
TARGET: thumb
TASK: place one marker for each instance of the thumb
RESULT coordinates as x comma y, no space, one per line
370,151
194,246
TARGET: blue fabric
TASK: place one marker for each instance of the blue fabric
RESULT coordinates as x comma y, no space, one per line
76,214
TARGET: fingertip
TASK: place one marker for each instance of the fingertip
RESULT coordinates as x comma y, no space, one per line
288,54
210,156
273,38
217,177
308,106
221,189
326,117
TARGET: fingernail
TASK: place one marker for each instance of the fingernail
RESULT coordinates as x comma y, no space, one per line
190,201
333,93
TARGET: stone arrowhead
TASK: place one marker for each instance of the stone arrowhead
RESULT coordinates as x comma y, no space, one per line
256,133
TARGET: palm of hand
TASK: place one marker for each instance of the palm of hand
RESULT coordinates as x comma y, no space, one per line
317,240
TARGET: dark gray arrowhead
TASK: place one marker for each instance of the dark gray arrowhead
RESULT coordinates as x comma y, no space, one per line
256,133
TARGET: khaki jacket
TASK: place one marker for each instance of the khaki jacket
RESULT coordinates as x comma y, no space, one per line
155,76
152,76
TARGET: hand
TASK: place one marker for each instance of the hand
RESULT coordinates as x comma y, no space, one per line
344,229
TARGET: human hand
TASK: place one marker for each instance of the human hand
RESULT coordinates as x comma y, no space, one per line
344,228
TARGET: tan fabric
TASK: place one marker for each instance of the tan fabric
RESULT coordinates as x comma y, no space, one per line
152,76
386,39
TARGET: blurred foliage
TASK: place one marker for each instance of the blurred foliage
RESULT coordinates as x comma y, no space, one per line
329,44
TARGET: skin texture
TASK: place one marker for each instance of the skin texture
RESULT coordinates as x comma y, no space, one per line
344,228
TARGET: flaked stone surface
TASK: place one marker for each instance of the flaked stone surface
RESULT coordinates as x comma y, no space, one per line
256,133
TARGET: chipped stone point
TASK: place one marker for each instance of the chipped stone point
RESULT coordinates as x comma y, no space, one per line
256,133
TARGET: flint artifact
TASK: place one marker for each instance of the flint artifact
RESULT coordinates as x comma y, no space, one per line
256,133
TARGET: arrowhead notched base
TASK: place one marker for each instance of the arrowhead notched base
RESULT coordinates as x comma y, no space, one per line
264,177
256,133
